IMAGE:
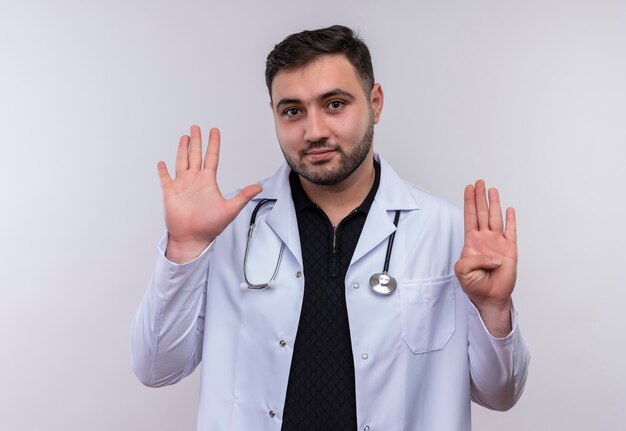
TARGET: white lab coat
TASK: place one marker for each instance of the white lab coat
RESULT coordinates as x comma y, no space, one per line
420,354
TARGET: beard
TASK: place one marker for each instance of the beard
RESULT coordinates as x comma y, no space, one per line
348,162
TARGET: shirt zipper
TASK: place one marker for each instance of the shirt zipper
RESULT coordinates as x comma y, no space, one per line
333,272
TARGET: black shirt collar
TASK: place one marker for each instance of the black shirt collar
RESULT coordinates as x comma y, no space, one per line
301,201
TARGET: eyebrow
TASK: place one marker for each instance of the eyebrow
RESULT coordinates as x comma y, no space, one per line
331,93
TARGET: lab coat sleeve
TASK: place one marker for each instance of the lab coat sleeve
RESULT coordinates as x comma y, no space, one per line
166,336
498,366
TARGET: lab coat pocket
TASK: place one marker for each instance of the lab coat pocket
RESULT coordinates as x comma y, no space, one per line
427,312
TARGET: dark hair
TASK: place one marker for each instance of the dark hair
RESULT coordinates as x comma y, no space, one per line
300,49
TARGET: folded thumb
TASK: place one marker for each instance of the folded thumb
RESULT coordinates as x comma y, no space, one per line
468,264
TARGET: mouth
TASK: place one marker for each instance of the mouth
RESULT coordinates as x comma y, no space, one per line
319,154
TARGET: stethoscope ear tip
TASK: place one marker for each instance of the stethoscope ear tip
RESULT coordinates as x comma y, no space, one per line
243,286
271,284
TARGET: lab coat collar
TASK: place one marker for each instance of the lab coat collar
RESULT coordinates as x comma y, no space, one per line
393,194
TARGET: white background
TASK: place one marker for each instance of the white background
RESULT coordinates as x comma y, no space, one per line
529,95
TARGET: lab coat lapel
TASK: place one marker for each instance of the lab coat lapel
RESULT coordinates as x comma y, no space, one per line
378,226
392,195
282,219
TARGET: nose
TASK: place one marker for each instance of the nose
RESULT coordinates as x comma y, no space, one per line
315,128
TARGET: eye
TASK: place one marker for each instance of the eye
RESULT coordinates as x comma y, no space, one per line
291,112
336,105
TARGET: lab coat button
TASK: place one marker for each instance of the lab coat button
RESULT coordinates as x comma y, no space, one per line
355,285
272,414
364,356
282,343
367,428
298,274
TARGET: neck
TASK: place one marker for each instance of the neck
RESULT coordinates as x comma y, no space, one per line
340,199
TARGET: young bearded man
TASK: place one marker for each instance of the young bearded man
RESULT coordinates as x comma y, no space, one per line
358,301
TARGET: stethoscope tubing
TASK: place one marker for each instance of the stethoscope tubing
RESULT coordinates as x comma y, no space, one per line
390,243
381,283
247,283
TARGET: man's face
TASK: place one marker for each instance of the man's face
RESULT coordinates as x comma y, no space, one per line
324,120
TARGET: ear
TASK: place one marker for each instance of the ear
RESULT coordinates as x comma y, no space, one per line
377,99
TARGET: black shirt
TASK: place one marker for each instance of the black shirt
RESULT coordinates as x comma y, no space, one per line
321,391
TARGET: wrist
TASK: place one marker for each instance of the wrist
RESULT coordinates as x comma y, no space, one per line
496,316
184,251
493,307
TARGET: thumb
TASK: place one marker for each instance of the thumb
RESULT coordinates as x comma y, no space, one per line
468,264
241,199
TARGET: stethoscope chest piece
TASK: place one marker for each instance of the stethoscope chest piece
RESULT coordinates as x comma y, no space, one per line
383,283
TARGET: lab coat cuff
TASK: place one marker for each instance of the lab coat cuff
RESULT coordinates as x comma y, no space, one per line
170,277
498,366
477,322
173,266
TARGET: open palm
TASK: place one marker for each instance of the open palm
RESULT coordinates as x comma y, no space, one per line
195,210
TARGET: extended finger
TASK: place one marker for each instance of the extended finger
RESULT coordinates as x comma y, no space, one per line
510,231
495,211
182,155
164,175
213,152
195,148
469,209
482,208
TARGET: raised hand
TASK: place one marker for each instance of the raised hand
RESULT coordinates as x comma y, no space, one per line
488,265
195,209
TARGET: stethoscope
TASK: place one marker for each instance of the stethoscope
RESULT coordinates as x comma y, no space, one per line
272,283
382,282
